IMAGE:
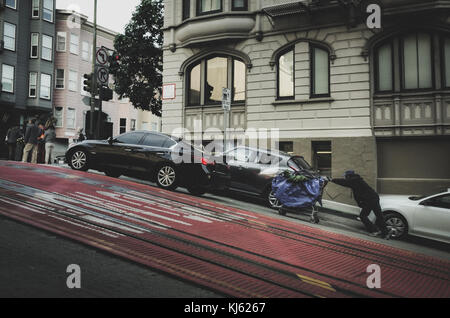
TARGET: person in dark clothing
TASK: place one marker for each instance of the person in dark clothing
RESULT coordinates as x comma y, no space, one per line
12,135
367,199
32,134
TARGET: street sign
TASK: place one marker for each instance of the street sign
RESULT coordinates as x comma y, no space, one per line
102,75
102,56
226,99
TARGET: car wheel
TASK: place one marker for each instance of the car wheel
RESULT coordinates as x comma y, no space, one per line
112,173
397,223
166,177
79,160
271,201
196,190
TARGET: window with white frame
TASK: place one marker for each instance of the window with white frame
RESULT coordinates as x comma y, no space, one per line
208,6
47,10
73,81
34,54
132,124
47,47
35,9
46,86
61,41
11,4
85,51
70,118
7,78
9,36
74,44
60,78
32,85
58,114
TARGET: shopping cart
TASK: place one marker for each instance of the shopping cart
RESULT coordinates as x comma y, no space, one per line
299,191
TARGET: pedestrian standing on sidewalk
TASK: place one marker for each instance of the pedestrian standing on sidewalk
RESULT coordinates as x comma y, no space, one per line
11,139
31,141
49,139
367,199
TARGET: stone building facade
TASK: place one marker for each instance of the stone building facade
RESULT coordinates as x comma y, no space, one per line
341,94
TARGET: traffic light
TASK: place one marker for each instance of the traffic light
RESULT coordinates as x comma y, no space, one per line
114,62
106,93
88,82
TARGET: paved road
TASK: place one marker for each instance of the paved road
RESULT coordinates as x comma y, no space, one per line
244,253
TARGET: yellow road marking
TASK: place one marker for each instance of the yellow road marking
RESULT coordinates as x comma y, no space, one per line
316,282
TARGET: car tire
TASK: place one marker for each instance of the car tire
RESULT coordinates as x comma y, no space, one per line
271,201
79,160
196,190
166,177
112,173
397,222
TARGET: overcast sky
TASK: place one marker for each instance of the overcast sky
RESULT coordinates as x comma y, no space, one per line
111,14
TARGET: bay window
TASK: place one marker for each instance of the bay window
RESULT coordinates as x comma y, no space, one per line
208,6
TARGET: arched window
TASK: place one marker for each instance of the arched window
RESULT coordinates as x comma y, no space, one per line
207,78
285,69
320,71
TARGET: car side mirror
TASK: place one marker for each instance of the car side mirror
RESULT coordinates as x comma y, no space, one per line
110,140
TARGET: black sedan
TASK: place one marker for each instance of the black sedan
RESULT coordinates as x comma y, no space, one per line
252,170
164,159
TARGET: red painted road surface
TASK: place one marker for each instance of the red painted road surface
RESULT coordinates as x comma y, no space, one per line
234,252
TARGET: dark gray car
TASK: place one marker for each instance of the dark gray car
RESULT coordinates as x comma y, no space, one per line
252,170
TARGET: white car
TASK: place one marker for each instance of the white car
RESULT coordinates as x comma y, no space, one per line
427,216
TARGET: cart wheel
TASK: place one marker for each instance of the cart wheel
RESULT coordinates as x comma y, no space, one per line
281,212
315,220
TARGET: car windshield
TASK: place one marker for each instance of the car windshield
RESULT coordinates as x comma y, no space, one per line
299,163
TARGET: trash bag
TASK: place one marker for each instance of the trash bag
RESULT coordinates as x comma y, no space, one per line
298,194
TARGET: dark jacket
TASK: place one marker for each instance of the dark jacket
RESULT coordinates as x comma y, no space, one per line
32,134
362,192
13,134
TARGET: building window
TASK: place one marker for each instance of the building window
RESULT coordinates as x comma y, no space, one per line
85,51
207,78
35,9
70,118
123,125
61,42
446,59
74,44
208,6
32,86
10,4
47,47
239,5
286,146
132,124
322,157
73,81
34,54
7,78
60,79
9,36
154,126
186,9
216,79
58,114
46,84
417,62
384,67
47,13
320,72
286,75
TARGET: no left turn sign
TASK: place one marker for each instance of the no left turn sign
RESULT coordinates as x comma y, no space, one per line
102,56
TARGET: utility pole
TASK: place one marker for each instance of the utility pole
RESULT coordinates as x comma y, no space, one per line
94,75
